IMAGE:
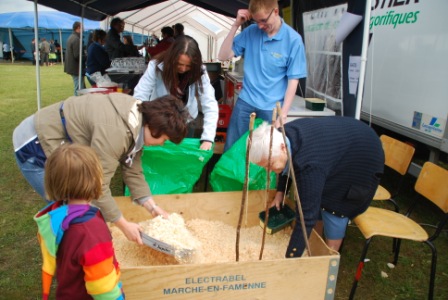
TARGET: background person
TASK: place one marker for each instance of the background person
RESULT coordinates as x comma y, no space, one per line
274,60
52,56
178,30
164,44
338,162
179,71
80,252
34,51
6,51
45,52
73,57
58,50
97,57
114,46
131,50
116,126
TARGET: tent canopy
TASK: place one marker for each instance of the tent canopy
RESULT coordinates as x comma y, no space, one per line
46,19
152,19
100,9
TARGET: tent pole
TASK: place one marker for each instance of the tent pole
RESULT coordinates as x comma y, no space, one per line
81,42
362,70
62,48
132,35
37,58
11,45
215,54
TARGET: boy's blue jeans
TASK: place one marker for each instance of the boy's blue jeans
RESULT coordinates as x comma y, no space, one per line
239,121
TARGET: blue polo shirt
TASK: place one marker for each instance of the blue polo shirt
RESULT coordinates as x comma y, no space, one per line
269,62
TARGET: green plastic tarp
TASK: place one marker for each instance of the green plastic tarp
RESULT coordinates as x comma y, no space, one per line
230,171
173,169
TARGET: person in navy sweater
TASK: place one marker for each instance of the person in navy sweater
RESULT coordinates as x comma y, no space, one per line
337,162
97,57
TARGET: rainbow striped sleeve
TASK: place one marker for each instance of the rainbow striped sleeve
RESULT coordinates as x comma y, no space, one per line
102,272
49,235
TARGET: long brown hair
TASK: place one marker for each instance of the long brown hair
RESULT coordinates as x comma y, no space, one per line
182,45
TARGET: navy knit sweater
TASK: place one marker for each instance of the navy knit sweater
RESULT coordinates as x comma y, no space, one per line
337,162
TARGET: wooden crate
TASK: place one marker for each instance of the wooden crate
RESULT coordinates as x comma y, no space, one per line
294,278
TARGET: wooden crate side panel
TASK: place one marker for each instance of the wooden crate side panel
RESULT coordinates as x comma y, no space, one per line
222,206
300,278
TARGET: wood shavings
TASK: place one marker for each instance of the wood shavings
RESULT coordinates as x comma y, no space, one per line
171,231
213,241
218,242
130,254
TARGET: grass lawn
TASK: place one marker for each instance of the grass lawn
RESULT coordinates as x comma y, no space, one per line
19,251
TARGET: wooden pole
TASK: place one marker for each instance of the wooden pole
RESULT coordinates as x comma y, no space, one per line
294,183
245,186
268,184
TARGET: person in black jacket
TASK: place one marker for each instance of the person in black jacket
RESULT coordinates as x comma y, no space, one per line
114,46
131,50
337,162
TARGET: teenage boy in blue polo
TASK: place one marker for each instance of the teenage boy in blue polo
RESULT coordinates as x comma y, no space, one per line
274,60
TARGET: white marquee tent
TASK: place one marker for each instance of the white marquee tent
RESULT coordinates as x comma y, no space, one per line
207,27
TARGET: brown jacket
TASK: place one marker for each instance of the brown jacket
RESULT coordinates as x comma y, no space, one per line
110,125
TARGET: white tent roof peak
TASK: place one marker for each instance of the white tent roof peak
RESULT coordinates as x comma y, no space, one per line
151,19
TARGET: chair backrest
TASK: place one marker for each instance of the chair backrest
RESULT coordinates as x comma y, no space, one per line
398,155
432,183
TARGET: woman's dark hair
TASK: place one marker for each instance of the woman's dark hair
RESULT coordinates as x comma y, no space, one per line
165,115
128,38
182,45
99,35
168,31
178,29
115,22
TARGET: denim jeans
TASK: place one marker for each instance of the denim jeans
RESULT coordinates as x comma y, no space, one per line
239,121
76,83
33,174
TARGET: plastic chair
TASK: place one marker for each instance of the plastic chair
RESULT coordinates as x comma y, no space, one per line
431,184
398,157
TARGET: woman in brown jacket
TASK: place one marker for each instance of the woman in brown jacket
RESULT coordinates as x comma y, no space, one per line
116,126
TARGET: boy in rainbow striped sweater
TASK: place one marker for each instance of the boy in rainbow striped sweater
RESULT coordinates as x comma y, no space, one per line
75,241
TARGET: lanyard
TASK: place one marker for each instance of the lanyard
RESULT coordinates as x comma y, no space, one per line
61,113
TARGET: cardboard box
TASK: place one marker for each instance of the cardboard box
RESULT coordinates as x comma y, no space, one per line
293,278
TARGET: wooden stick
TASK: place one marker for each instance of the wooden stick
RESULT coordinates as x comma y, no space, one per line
245,186
294,183
268,184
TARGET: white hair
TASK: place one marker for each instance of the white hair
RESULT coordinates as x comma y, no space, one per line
261,138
